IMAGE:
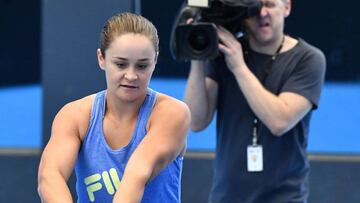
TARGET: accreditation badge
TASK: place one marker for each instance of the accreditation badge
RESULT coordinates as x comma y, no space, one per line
255,158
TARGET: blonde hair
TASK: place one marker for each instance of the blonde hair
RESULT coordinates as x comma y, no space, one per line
124,23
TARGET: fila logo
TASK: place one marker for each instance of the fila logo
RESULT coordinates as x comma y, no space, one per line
93,184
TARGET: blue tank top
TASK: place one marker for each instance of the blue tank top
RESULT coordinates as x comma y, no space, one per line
99,168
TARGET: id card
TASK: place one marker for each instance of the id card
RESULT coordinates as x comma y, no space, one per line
254,158
198,3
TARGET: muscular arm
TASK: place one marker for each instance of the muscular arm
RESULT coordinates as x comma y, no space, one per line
164,141
59,157
200,96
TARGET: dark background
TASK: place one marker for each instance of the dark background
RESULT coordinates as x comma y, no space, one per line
331,26
20,35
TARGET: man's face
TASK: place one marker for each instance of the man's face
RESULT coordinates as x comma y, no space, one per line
268,26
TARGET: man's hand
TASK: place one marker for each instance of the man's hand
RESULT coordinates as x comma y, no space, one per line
231,48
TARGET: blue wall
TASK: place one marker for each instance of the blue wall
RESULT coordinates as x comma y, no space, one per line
20,117
334,128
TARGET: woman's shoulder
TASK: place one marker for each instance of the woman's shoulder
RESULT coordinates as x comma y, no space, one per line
169,117
166,105
79,106
166,101
78,112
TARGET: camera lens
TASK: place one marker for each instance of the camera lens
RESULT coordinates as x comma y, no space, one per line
198,40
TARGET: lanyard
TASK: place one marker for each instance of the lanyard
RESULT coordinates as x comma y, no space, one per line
263,79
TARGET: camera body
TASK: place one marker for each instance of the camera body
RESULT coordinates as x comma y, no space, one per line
199,40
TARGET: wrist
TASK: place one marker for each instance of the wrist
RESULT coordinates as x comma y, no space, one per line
241,71
198,65
198,62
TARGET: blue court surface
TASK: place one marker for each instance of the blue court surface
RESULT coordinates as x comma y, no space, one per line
335,127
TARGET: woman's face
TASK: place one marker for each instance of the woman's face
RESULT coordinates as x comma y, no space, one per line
128,64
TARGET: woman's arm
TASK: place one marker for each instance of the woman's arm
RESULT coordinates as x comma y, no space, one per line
165,140
59,156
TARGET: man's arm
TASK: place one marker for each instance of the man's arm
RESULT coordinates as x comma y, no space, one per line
165,140
200,95
59,157
278,112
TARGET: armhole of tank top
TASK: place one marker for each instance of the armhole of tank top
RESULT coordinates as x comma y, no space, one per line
92,115
153,97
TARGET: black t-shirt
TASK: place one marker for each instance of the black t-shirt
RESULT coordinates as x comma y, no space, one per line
300,70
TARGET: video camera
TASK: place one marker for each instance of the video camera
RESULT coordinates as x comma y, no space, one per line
198,40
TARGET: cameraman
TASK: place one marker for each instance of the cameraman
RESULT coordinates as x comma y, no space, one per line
264,88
